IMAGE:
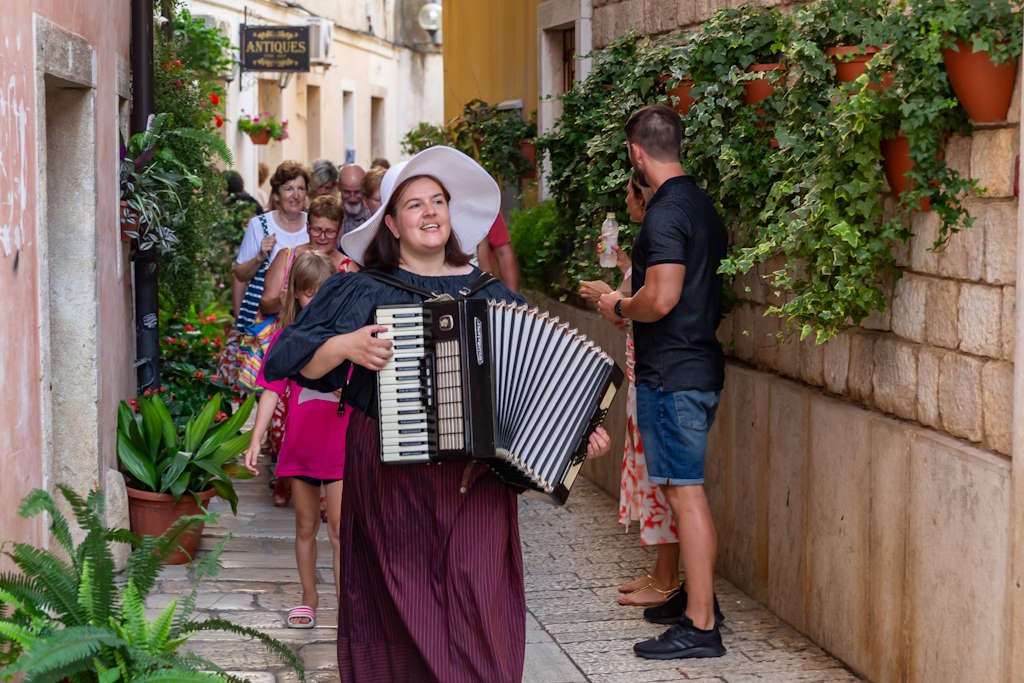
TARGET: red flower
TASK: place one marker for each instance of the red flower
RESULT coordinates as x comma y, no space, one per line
189,328
179,83
221,416
214,99
218,120
199,374
147,392
177,63
169,340
206,340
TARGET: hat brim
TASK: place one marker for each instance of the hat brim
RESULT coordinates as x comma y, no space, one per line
475,198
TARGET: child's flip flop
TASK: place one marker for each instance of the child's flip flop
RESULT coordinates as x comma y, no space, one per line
301,612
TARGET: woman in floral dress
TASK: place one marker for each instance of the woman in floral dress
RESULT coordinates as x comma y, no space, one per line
639,499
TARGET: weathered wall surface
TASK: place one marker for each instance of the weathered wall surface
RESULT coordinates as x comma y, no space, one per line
861,488
26,430
486,55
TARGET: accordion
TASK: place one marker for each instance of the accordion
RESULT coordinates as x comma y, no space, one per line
500,383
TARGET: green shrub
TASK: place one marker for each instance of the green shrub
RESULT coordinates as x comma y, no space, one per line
539,239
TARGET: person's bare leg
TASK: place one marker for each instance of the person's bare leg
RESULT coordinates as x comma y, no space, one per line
306,500
652,589
699,546
333,528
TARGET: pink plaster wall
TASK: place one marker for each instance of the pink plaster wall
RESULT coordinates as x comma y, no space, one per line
106,25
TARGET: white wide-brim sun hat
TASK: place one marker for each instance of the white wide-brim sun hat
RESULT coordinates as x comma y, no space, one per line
475,198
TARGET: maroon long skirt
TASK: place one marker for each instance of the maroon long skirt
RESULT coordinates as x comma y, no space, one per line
431,578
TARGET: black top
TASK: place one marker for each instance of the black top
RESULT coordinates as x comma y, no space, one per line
344,303
681,351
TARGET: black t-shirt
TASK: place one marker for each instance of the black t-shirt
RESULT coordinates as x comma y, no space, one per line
681,351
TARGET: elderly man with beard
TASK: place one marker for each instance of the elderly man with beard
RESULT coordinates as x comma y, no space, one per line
350,183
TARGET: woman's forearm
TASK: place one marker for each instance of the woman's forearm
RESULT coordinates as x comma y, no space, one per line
246,271
330,355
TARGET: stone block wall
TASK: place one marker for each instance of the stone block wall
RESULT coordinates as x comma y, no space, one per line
861,488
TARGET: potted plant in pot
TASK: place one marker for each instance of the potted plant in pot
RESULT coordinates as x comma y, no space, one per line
172,474
263,128
755,39
64,616
850,31
981,42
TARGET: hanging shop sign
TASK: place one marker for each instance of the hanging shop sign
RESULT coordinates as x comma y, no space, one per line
275,48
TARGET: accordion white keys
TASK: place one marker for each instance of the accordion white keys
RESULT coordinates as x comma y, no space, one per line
501,383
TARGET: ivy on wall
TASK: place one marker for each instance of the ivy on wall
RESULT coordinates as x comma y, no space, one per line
799,173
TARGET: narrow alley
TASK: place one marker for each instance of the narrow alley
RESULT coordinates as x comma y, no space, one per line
574,558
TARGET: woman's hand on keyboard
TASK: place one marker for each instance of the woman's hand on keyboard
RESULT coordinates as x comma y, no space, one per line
362,348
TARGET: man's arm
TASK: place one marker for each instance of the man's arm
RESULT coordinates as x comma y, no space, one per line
484,257
661,291
508,266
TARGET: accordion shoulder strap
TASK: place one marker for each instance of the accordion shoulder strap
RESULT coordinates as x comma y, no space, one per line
477,284
399,284
388,279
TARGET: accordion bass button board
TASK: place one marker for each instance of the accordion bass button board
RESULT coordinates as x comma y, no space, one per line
500,383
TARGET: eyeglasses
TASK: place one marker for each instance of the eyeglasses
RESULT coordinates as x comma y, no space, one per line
321,232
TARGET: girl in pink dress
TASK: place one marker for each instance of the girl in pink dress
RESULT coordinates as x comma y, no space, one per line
639,499
313,448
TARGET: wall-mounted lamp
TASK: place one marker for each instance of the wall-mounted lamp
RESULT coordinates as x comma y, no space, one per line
233,74
429,19
283,79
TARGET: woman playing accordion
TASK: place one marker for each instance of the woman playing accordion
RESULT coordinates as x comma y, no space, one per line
431,568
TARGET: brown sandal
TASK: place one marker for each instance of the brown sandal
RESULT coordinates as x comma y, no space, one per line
663,596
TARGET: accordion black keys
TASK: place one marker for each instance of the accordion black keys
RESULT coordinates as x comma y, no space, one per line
501,383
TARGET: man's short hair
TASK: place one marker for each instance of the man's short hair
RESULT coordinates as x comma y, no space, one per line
234,182
657,130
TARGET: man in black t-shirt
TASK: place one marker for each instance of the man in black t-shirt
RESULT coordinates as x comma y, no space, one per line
675,309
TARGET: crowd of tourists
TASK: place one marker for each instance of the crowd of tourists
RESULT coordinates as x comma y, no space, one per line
427,561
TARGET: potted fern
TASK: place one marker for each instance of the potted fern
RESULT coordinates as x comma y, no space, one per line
172,474
63,617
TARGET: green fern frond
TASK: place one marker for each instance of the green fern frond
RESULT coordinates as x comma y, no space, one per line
272,644
105,674
146,561
16,633
85,592
38,501
158,630
214,142
133,615
53,577
65,651
207,567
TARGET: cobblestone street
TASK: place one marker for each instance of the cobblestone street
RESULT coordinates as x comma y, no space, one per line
576,632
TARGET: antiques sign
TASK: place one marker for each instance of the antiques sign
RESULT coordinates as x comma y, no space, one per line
275,48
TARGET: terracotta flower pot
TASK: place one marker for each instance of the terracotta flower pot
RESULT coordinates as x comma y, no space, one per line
129,221
897,162
983,88
681,92
530,152
849,69
151,514
760,88
261,138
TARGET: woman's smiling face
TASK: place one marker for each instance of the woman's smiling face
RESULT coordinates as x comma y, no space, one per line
421,222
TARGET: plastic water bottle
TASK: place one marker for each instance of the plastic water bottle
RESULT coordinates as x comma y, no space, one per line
609,240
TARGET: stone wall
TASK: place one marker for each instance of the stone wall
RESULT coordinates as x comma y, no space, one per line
861,488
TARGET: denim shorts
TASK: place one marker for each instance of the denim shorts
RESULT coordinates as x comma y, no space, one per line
674,429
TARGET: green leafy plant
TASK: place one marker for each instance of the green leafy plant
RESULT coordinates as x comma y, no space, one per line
992,26
261,123
158,458
538,234
845,22
64,616
485,133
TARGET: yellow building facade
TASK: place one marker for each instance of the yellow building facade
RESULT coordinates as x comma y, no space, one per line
490,52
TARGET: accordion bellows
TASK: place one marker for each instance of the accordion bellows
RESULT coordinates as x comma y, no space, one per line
502,383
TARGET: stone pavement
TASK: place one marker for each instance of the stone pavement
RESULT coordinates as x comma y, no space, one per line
574,557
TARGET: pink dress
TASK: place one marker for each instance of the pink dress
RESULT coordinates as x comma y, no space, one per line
314,433
638,498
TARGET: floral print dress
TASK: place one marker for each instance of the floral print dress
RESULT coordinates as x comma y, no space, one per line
638,498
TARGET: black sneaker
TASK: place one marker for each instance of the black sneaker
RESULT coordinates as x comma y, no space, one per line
682,641
671,611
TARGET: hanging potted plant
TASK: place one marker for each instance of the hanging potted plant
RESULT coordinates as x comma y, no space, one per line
852,32
263,128
762,35
981,42
170,475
